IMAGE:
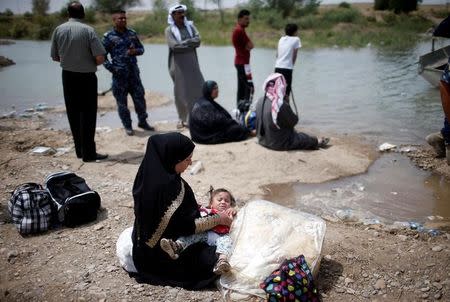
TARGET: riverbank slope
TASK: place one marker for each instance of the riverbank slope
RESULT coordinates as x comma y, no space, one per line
360,262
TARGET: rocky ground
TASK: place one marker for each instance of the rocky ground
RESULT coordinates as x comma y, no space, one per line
360,262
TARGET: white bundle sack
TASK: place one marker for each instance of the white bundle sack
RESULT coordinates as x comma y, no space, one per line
264,234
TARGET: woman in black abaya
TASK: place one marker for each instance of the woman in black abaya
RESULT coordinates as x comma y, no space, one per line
210,123
165,206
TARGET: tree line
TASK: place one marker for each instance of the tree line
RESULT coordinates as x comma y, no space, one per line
285,7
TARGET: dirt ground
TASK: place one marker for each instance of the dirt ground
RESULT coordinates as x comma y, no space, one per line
360,262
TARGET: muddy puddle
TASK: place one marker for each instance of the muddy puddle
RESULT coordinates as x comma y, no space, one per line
393,190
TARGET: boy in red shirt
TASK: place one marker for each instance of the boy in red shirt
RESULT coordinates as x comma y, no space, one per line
242,45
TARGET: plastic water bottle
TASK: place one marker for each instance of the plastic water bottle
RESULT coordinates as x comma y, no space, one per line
197,167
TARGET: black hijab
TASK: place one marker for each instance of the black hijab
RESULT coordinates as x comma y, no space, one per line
157,170
207,89
155,188
210,123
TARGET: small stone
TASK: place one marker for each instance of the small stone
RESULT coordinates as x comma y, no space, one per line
350,291
437,248
340,290
12,254
328,257
347,281
402,237
380,284
98,227
438,296
425,289
437,285
395,284
425,295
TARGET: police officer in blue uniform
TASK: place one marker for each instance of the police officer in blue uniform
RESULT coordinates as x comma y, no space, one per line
123,45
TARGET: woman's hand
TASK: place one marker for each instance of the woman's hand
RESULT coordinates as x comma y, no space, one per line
225,218
231,212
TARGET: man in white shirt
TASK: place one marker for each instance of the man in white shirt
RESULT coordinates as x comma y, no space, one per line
287,54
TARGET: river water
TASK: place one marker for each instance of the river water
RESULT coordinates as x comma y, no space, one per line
368,92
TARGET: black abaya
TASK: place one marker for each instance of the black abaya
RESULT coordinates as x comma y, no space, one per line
210,123
156,191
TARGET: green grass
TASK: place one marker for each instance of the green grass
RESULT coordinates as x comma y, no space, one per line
342,26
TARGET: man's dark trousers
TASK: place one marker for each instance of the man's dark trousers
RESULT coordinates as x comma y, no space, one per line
80,95
244,88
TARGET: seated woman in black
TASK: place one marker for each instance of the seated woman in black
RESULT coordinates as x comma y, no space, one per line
275,120
165,207
210,123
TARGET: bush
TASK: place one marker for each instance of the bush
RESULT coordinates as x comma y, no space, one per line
8,13
344,5
19,29
151,26
272,18
398,6
89,14
44,26
191,13
345,15
371,19
390,18
440,13
402,6
6,16
381,5
254,6
308,22
311,8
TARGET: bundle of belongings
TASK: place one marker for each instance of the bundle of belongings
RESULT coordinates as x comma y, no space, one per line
65,199
276,254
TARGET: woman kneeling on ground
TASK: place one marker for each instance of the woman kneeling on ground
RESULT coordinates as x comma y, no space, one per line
275,120
210,123
165,207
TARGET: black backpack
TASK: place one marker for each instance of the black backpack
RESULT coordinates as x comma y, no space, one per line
76,203
31,208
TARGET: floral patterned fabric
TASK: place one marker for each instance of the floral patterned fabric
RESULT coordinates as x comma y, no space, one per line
293,281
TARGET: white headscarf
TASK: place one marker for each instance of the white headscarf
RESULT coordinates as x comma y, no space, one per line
175,30
275,93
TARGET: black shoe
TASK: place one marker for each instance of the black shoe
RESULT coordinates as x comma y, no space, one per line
144,125
129,131
98,156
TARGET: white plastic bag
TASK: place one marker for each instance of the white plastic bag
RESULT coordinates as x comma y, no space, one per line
124,250
264,234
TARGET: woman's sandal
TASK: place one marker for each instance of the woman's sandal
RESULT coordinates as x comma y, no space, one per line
222,266
170,247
